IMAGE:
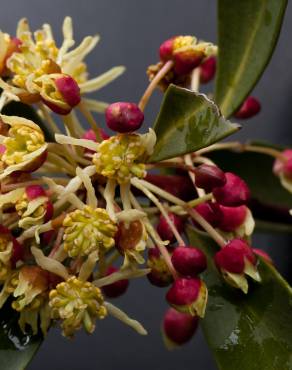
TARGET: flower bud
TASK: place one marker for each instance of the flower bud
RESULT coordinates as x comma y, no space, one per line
250,107
263,254
234,193
115,289
207,70
209,177
124,117
235,261
178,328
159,275
211,212
189,261
232,217
164,229
188,296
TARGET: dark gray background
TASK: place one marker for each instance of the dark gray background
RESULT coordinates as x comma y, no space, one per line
131,32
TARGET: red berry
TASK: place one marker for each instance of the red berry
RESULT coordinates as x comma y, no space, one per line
232,257
115,289
69,90
35,191
166,50
164,229
207,70
208,177
234,193
250,107
124,117
211,212
263,254
186,61
179,327
184,291
189,261
232,217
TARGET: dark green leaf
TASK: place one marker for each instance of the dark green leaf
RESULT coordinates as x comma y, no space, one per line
248,31
187,122
27,111
273,201
247,332
16,349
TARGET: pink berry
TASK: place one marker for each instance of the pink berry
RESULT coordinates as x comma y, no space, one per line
234,193
208,177
124,117
250,107
164,229
179,327
116,289
35,191
69,90
189,261
211,212
232,257
232,217
166,50
208,70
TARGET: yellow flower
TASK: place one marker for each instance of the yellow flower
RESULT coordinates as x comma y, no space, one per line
78,304
88,230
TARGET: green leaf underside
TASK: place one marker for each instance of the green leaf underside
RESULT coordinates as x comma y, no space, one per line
247,332
16,349
247,35
27,111
187,121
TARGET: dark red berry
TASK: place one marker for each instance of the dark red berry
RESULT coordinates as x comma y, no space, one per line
164,229
234,193
232,257
189,261
249,108
115,289
211,212
209,177
232,217
179,327
207,70
124,117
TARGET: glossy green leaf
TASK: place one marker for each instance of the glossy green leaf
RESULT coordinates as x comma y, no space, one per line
27,111
247,332
247,34
187,121
16,349
256,170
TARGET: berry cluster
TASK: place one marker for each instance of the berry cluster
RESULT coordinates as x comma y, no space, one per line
82,213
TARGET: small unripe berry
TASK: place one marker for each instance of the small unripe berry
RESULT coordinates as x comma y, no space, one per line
178,327
207,70
208,177
115,289
263,254
166,50
69,90
189,261
234,193
124,117
232,217
188,295
250,107
211,212
164,229
232,257
159,275
186,61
